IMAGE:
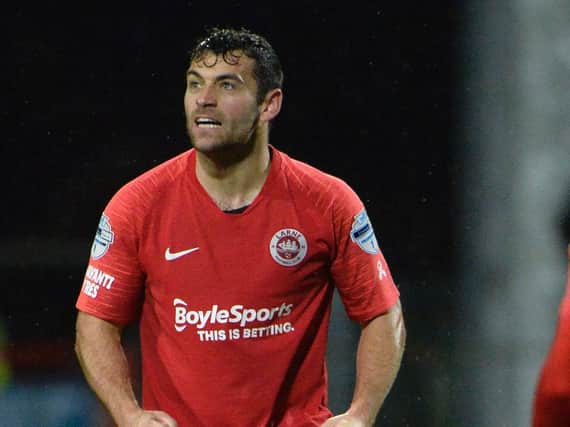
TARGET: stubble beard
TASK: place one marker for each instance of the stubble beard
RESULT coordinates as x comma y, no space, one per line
223,144
226,152
209,145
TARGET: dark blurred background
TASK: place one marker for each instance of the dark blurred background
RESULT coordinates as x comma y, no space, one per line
378,94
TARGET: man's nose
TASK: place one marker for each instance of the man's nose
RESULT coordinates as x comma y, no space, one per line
207,97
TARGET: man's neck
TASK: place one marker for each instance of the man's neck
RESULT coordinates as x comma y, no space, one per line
233,181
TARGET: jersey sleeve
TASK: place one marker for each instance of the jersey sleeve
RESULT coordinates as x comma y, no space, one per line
113,283
359,269
552,396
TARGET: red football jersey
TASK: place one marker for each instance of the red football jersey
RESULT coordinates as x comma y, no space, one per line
234,307
552,398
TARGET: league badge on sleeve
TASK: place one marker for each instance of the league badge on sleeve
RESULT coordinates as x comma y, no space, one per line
362,233
103,238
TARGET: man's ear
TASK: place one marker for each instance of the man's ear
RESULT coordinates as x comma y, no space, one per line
271,105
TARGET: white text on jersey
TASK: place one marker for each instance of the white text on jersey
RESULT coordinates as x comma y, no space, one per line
94,279
235,314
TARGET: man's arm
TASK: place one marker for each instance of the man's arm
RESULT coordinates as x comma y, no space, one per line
380,350
102,358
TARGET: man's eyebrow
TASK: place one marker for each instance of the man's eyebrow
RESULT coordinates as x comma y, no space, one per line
226,76
193,73
230,76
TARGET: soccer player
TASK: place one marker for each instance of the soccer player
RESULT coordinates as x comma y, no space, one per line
552,395
227,256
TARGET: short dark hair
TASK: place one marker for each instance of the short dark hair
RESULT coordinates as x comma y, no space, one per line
226,41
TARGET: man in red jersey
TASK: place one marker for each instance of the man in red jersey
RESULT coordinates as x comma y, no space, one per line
552,396
228,255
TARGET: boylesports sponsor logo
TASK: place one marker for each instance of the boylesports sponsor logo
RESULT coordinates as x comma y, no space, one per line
237,314
238,321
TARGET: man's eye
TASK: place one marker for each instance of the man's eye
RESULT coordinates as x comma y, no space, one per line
228,85
192,84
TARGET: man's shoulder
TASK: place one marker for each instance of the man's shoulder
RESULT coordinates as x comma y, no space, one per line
307,175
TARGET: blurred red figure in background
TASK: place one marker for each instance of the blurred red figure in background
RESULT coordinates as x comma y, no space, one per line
552,397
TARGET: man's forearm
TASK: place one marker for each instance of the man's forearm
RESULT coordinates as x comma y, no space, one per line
378,359
105,366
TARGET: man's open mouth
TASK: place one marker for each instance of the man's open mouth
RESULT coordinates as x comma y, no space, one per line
207,122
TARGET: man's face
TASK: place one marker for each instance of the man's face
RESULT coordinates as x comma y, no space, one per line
220,103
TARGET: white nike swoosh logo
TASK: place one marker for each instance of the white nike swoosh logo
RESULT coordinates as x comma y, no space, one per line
169,256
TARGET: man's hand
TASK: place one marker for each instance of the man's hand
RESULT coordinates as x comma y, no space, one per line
152,419
344,420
